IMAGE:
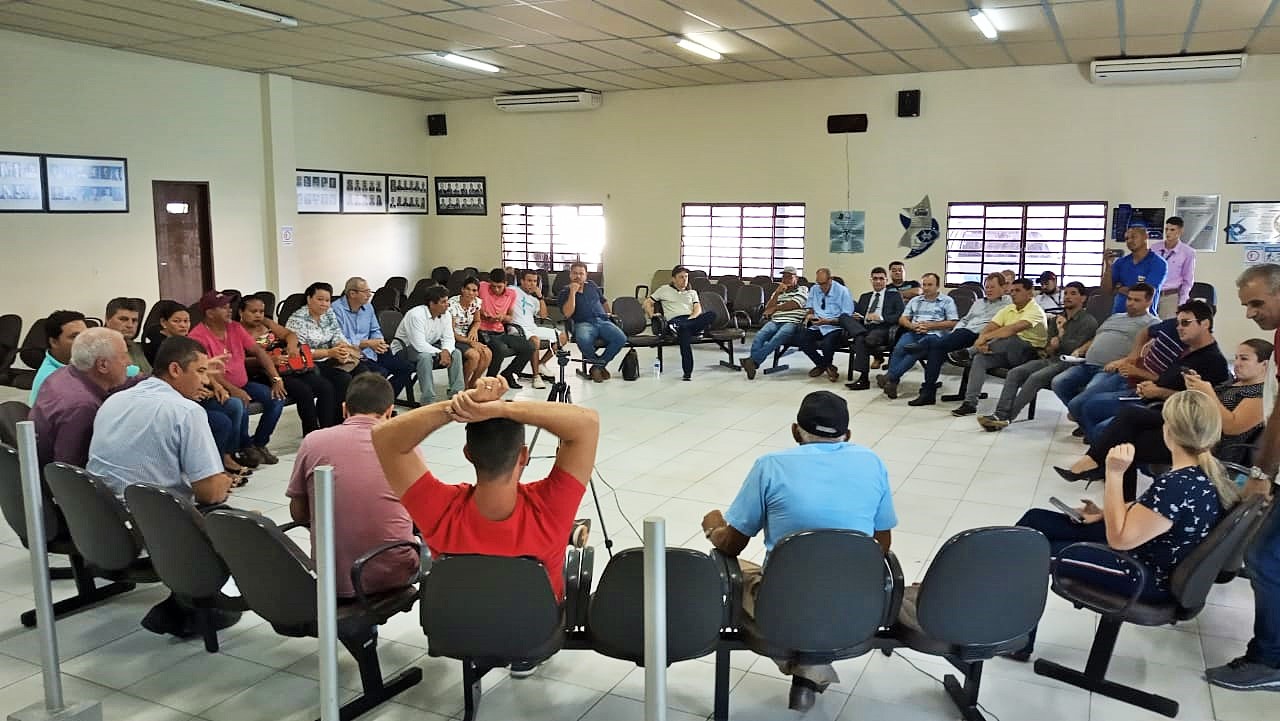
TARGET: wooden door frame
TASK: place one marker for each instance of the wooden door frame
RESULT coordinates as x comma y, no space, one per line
206,226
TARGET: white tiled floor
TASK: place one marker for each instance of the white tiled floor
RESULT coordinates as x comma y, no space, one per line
675,450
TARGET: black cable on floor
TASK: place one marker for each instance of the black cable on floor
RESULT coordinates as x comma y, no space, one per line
984,709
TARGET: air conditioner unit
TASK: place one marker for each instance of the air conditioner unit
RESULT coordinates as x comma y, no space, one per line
1174,69
548,102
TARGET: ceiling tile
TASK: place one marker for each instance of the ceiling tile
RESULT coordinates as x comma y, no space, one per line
881,63
512,64
793,11
931,59
1090,19
864,8
787,69
554,25
746,73
726,13
832,66
1266,41
983,56
182,20
568,80
384,31
421,6
1037,53
550,59
63,31
310,13
933,6
1083,50
573,19
1230,14
1152,44
70,18
1225,41
1167,17
597,58
485,22
898,33
358,8
733,45
361,35
621,79
661,77
637,53
433,90
1022,24
661,14
952,28
393,73
502,85
456,36
838,36
699,73
784,42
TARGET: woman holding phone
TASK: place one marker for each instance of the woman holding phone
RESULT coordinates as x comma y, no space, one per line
1163,526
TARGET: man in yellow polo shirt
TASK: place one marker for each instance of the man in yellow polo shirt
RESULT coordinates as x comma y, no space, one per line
1017,334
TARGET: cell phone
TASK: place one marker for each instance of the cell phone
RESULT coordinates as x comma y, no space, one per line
1129,398
1186,371
1075,515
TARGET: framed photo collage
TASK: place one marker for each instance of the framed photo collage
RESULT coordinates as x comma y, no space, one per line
331,191
47,183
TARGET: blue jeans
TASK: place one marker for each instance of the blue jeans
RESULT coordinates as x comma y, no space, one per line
686,330
225,421
586,333
771,337
1071,382
901,361
389,366
1263,561
271,409
1101,382
936,348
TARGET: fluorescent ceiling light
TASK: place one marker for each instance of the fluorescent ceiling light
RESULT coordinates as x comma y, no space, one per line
284,20
698,48
699,18
983,22
469,63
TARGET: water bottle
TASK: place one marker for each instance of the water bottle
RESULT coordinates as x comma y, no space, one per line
657,368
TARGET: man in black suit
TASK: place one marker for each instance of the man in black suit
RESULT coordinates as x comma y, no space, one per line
875,316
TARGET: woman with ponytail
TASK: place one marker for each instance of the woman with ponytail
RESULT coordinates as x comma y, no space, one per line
1164,525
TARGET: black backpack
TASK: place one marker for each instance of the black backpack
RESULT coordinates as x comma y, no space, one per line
630,366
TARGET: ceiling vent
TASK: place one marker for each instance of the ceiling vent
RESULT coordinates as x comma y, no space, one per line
549,102
1175,69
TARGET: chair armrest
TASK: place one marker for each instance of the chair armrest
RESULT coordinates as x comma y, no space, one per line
615,320
897,586
1064,558
295,524
744,315
731,578
357,568
642,287
513,329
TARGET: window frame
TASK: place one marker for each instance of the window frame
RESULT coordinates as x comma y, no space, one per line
779,257
594,266
1022,240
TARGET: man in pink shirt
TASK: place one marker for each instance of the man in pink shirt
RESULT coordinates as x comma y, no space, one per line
367,513
1181,259
497,305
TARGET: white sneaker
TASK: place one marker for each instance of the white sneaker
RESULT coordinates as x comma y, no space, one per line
538,382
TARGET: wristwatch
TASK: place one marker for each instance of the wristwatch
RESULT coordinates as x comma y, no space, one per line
1258,473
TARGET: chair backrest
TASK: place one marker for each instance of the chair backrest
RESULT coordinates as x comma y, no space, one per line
749,298
454,283
487,606
390,321
417,297
712,301
196,313
268,303
153,316
596,277
179,548
440,274
975,286
629,311
662,276
1196,573
963,298
956,602
731,285
34,345
471,270
98,521
1099,305
10,338
11,412
399,282
386,298
695,606
701,285
424,283
275,577
289,306
804,606
695,273
763,281
1205,292
11,498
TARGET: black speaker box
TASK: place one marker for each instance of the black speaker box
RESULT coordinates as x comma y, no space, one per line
436,125
856,123
908,103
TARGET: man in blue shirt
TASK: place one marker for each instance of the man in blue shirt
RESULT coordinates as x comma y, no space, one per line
927,314
583,302
830,308
825,482
359,323
1140,266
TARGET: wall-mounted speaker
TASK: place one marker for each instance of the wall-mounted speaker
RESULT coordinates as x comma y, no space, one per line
855,123
436,125
908,103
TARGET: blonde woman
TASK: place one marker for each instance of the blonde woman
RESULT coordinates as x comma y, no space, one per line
1164,525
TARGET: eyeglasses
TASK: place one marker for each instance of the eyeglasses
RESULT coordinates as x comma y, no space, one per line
365,291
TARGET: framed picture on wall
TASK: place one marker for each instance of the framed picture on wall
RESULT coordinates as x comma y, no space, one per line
407,194
21,183
80,184
318,191
364,193
463,195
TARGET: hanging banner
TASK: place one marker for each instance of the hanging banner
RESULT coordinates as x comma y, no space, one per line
848,231
1199,215
1253,222
921,228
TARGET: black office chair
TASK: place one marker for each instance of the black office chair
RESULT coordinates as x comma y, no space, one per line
964,618
387,298
748,306
10,338
454,283
289,306
183,556
964,299
268,302
1191,582
440,274
1099,305
1205,292
278,582
724,331
12,413
399,282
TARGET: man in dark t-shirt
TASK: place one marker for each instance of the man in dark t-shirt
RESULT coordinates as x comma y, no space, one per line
584,304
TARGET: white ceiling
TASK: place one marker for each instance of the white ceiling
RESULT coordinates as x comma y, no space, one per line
389,46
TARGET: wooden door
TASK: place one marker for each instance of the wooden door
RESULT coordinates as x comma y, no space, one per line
184,240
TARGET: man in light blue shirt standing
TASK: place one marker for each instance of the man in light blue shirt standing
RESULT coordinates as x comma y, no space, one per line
825,482
830,307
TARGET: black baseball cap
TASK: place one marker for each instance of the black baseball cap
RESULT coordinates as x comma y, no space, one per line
824,414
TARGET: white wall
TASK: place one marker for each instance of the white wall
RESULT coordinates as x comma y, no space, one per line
1041,133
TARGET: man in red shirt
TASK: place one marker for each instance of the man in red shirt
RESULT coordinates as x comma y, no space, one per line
498,515
497,308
